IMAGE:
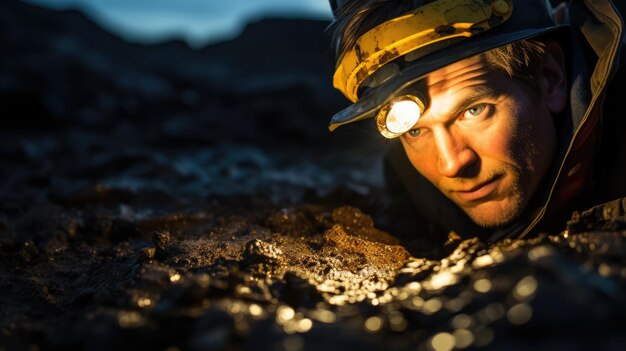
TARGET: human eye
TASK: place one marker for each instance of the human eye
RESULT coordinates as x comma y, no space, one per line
414,133
478,111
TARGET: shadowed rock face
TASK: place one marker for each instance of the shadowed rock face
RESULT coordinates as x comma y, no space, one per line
163,197
273,82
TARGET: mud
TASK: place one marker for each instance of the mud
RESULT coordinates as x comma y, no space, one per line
246,274
300,277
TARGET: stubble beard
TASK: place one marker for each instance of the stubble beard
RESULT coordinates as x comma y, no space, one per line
500,211
513,203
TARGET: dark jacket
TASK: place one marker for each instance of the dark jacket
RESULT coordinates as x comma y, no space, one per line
591,166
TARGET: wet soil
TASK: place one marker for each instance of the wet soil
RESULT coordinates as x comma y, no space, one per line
246,274
109,267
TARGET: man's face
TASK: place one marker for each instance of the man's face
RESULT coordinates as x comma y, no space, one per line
485,141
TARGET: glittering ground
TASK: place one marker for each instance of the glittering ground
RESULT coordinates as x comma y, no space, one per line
203,205
100,271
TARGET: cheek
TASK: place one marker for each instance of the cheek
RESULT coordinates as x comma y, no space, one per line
423,160
534,130
499,142
537,142
504,140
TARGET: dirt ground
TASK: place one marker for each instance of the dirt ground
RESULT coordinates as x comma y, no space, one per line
144,208
143,265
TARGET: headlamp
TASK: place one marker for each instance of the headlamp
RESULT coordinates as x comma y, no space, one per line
399,115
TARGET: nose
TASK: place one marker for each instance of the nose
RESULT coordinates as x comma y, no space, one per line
454,155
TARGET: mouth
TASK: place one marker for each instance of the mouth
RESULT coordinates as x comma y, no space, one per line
479,191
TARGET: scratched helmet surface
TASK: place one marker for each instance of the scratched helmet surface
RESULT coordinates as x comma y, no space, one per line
399,52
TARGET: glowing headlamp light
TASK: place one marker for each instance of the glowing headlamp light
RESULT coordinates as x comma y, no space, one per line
399,115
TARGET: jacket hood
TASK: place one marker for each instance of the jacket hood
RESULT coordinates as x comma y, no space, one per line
597,36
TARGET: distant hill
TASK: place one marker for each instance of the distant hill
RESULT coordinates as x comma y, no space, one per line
61,69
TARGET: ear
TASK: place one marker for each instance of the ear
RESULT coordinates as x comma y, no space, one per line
554,78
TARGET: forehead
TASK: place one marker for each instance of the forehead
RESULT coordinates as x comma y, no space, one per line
458,75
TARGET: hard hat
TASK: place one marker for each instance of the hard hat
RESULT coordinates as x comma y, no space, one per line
376,71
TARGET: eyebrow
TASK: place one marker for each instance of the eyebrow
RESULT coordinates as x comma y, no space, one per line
478,93
475,94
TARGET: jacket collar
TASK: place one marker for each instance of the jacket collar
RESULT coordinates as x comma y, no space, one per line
595,24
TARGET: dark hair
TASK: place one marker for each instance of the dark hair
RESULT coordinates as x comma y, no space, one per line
520,60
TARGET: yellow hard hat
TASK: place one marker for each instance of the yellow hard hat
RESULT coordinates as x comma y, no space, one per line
397,53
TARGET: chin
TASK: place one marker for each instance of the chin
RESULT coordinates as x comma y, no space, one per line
493,214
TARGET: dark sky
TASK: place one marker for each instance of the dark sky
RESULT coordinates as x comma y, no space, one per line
197,21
